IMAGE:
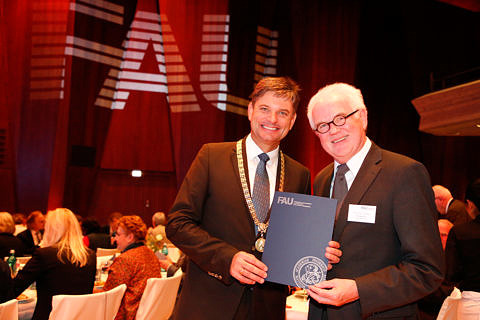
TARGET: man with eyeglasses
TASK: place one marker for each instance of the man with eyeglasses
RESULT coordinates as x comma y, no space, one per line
220,216
386,218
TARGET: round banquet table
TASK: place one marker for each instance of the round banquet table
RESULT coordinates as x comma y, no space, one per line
26,307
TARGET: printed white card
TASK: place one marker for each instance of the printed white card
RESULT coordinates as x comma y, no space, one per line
361,213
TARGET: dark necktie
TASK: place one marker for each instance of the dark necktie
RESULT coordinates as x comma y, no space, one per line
261,189
38,238
340,187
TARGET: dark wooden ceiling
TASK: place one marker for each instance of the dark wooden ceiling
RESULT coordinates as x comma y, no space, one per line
472,5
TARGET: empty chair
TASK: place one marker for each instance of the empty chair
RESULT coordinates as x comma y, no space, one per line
106,252
158,299
98,306
9,309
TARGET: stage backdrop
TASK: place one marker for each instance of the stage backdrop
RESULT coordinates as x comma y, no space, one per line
97,88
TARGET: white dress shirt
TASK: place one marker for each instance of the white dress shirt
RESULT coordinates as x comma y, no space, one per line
353,165
252,156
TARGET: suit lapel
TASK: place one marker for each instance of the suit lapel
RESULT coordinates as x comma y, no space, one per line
234,160
323,188
365,177
233,157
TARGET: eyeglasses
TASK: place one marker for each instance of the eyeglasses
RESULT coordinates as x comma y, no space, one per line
324,127
117,234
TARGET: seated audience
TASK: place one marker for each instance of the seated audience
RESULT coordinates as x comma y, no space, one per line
463,256
6,283
172,267
156,236
112,227
7,240
112,223
444,227
63,265
20,222
32,237
79,219
431,304
449,208
93,237
133,266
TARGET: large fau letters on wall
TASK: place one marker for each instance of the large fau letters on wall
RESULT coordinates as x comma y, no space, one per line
126,84
95,88
163,70
150,81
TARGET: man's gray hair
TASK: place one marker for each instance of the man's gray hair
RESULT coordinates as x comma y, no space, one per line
335,92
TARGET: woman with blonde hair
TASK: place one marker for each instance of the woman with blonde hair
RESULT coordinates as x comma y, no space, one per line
62,264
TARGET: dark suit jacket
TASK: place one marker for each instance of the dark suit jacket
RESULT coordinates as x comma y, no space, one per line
7,242
456,213
463,255
54,277
6,283
27,239
99,240
210,223
398,259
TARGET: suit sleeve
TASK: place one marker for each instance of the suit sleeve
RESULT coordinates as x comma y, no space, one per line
27,241
6,283
184,229
420,267
454,263
29,274
308,183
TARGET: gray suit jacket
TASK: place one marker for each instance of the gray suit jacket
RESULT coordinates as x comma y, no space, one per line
210,223
398,259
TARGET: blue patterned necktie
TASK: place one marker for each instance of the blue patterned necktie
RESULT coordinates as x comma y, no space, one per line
340,187
261,189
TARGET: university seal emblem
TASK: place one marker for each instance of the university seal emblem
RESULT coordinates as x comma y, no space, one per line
308,271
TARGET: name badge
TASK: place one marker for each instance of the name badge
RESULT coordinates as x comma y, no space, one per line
361,213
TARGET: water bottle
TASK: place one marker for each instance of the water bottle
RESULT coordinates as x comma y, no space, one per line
165,249
12,263
165,254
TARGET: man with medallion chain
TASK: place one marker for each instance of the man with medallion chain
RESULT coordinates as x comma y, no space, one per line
221,213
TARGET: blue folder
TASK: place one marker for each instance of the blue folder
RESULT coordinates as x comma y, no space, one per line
300,228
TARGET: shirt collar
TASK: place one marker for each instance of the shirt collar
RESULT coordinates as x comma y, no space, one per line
253,151
449,202
133,245
356,161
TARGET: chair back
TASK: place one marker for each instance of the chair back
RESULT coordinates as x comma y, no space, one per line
113,301
9,309
159,297
106,252
98,306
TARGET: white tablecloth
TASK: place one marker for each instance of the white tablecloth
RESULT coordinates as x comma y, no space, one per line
297,307
26,307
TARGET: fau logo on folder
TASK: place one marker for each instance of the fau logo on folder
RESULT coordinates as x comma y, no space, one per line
300,228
